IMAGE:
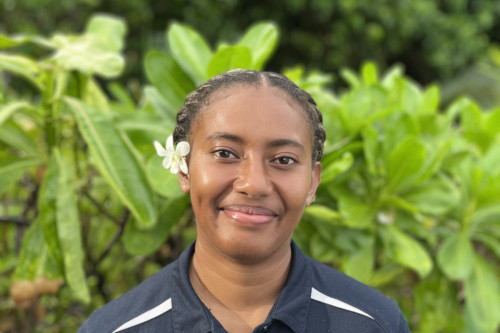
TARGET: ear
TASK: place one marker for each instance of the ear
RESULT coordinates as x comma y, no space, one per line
183,181
315,180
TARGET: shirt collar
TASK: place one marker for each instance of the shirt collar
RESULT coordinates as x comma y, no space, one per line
190,314
292,305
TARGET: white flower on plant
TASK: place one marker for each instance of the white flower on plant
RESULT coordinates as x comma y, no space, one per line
174,157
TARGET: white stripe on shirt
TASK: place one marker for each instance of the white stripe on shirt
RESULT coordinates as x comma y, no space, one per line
148,315
320,297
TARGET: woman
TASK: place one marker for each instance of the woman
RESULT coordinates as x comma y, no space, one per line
254,141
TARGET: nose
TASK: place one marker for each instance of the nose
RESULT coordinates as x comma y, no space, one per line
253,179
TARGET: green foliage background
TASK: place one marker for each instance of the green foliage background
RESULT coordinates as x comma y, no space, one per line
410,193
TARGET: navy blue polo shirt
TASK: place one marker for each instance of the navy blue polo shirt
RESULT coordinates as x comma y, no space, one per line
315,298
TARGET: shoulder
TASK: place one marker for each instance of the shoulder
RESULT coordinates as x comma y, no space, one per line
349,297
149,299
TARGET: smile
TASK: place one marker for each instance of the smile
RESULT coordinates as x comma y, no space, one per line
249,214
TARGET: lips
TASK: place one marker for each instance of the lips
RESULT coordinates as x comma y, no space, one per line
249,214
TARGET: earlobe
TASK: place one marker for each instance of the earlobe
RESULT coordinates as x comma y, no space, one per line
183,182
315,180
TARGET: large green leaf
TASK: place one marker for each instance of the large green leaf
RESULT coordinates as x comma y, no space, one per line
32,249
168,78
404,162
47,209
15,137
335,168
261,39
68,232
190,51
145,242
22,66
12,169
482,296
407,251
116,163
437,196
8,110
228,58
456,257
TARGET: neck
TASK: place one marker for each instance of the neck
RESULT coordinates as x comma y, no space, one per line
237,290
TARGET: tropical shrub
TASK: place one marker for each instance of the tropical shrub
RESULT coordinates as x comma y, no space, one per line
409,200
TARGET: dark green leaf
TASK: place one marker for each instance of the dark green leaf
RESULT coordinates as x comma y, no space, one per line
145,242
116,163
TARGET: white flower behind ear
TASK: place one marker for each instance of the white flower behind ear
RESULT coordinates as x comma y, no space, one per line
174,157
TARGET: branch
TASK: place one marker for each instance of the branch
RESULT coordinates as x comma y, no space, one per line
19,220
101,209
115,238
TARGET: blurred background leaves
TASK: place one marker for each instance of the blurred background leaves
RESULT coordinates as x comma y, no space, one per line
410,196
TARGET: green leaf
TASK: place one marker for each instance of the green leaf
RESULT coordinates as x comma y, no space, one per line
163,181
359,264
356,213
168,78
190,51
12,41
68,232
482,296
404,162
231,57
351,78
17,138
407,251
436,196
108,30
323,213
32,248
369,73
12,169
116,163
430,101
335,168
456,257
47,208
22,66
261,39
8,110
145,242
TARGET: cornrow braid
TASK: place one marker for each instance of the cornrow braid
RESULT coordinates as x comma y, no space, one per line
200,98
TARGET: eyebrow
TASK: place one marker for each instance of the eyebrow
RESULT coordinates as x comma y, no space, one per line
273,144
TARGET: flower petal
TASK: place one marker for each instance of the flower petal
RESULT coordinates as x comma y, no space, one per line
170,143
174,168
182,148
167,161
159,149
183,166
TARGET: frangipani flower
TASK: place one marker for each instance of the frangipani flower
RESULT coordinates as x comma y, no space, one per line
174,157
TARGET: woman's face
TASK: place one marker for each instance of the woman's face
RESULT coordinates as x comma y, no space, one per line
250,171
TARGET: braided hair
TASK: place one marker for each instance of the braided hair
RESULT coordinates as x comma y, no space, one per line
200,98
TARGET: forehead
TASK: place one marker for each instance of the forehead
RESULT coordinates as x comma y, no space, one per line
257,114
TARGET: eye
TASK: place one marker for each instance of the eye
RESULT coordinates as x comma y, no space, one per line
285,160
224,154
